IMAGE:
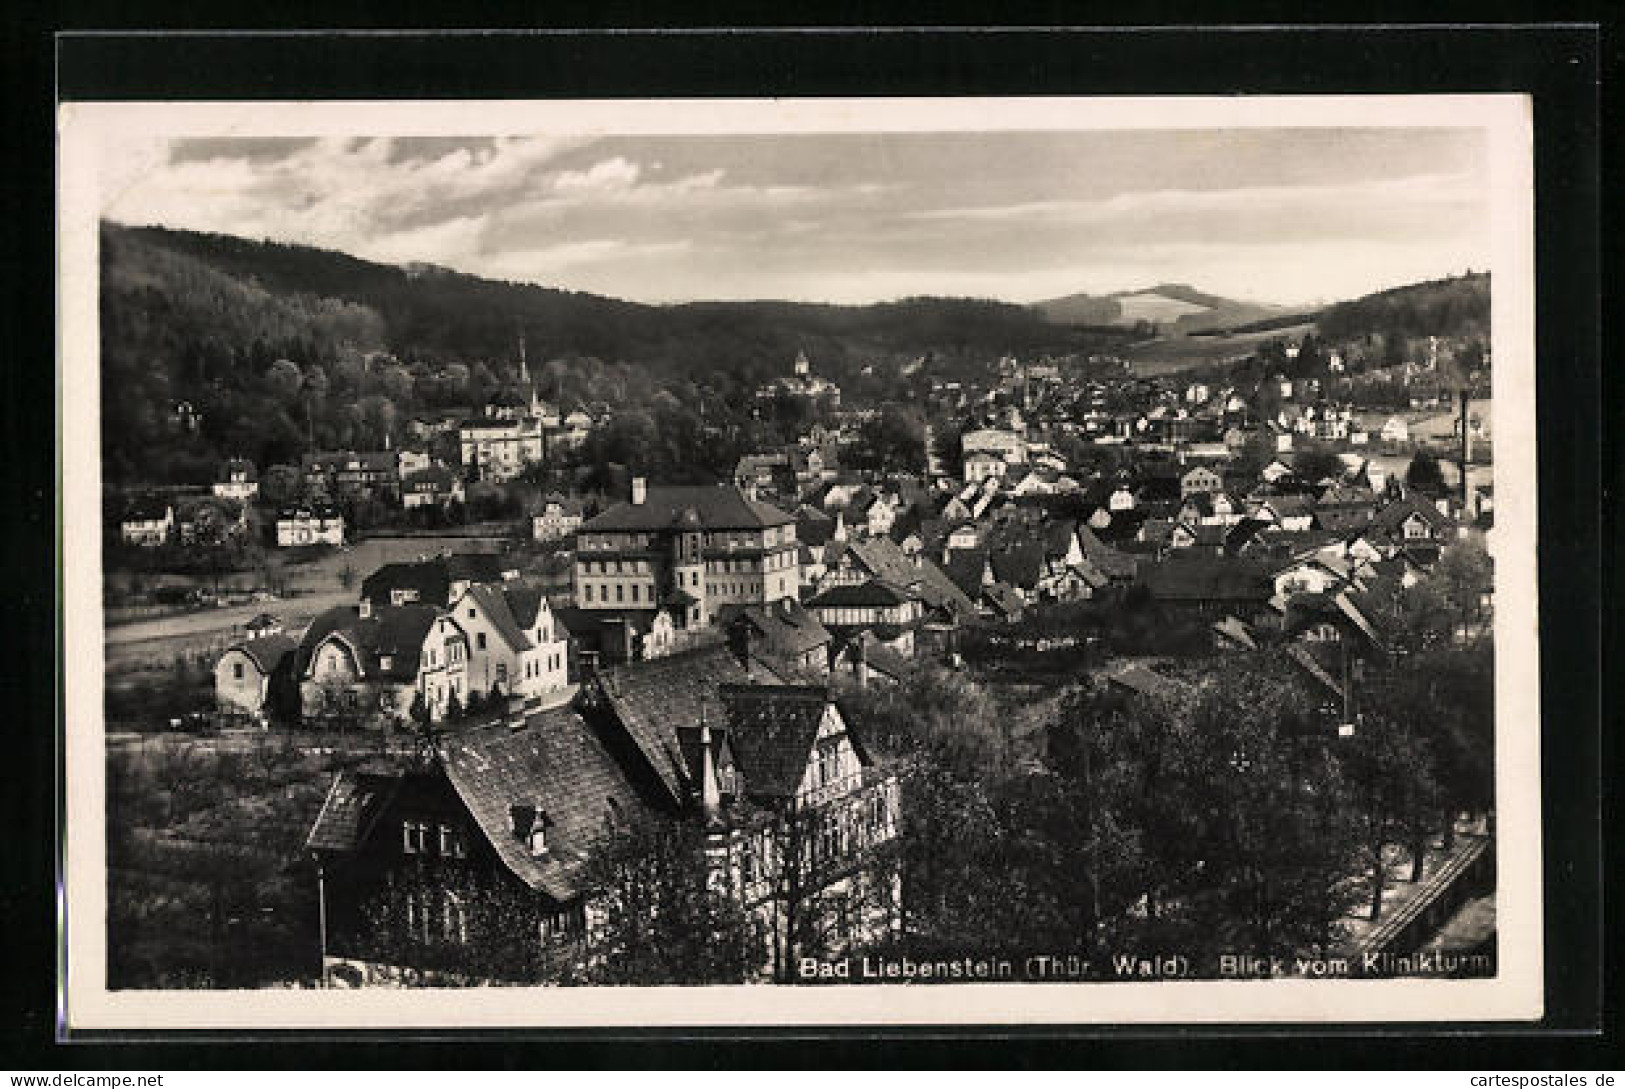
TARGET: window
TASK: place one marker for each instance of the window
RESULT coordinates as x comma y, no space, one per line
236,671
451,842
414,835
586,590
471,614
620,593
454,921
479,640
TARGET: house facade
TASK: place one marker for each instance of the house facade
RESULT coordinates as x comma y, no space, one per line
312,525
693,549
252,677
515,644
370,665
238,480
147,523
557,520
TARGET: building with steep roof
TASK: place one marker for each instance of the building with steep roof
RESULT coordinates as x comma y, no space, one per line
687,549
254,678
470,863
516,645
369,663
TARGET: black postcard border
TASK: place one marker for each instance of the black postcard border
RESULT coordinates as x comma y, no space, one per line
1557,64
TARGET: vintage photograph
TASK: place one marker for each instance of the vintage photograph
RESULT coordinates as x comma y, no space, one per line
801,554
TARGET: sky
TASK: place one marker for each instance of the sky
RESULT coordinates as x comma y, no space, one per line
1283,216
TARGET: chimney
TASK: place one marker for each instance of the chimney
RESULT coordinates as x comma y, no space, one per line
640,490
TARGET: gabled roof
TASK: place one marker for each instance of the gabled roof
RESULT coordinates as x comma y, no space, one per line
719,506
1394,515
395,632
1111,562
268,652
431,578
556,764
524,602
813,526
147,508
1004,598
494,604
785,626
651,699
353,802
1235,630
873,593
771,729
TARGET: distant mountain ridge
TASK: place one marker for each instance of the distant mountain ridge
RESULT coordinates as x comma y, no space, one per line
1173,308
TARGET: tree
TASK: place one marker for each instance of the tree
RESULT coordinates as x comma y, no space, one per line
285,379
1317,465
1424,474
666,908
1389,778
280,485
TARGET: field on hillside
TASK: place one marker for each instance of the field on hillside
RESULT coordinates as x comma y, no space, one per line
1150,306
1169,355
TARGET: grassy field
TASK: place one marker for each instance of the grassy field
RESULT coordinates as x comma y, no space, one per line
150,644
1171,355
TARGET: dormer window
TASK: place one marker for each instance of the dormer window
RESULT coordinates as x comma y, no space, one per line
530,825
386,661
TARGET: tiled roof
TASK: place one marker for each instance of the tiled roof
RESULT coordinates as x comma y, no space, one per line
874,592
268,652
717,506
556,764
431,578
147,509
771,729
1112,563
494,603
393,631
651,699
353,801
785,627
524,603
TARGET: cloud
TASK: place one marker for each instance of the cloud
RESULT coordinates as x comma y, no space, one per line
820,217
610,175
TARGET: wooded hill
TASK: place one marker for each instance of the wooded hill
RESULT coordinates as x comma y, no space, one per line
202,317
1457,307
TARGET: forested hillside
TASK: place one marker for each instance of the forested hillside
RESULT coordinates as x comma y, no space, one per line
206,319
1458,308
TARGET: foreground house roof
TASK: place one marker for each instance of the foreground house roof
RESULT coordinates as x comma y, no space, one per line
651,699
556,764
